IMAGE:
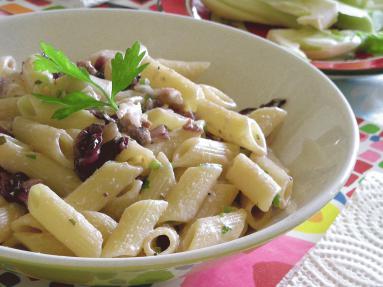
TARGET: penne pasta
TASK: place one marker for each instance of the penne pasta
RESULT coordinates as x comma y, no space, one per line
196,151
55,143
187,196
17,157
256,218
160,180
8,108
280,177
218,97
214,230
219,199
127,197
232,126
161,76
268,118
27,223
136,155
104,185
64,222
104,223
161,116
7,65
177,137
42,242
8,214
253,181
136,223
191,70
162,240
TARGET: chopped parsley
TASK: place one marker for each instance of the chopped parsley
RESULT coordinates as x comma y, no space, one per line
31,155
155,164
225,229
157,250
146,184
276,200
228,209
71,220
3,140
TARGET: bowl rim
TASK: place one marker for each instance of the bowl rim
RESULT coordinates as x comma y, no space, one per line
199,255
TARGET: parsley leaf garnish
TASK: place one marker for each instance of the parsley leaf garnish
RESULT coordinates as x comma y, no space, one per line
124,70
72,103
55,61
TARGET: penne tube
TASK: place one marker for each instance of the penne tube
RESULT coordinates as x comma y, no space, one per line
280,177
104,185
219,199
253,181
7,66
232,126
218,97
161,116
115,208
214,230
55,143
18,157
160,180
66,224
161,76
162,240
104,223
191,70
8,108
11,242
27,223
136,223
256,218
8,214
187,196
136,155
177,137
42,242
196,151
268,118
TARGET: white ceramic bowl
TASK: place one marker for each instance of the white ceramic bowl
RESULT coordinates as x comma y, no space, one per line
318,141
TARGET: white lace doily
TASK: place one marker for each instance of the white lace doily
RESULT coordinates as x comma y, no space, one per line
351,252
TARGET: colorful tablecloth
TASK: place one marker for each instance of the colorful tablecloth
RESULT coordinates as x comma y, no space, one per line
266,265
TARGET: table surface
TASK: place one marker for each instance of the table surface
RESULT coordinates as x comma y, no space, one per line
266,265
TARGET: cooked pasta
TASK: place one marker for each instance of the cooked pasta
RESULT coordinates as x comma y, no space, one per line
213,230
64,222
137,221
124,155
153,245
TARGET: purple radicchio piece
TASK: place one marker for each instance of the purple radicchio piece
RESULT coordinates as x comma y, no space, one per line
91,153
15,187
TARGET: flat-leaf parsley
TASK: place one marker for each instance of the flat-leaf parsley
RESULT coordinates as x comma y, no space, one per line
124,70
